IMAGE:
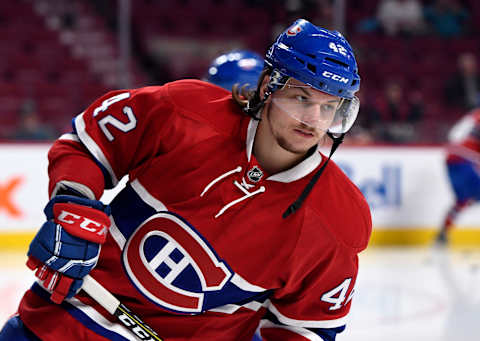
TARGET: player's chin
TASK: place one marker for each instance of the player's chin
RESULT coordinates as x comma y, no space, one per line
301,148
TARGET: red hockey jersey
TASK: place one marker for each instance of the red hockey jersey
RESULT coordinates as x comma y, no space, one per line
198,247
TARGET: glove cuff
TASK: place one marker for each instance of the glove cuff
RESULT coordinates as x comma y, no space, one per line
81,217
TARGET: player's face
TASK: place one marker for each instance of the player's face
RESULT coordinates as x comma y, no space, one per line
299,116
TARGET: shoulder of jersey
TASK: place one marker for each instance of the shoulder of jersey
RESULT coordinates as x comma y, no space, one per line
342,207
189,93
198,99
185,91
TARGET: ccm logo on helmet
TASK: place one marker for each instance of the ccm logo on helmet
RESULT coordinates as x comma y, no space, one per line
335,77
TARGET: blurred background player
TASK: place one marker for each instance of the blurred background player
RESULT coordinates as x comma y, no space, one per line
463,165
236,67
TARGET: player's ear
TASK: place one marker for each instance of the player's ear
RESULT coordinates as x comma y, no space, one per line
263,86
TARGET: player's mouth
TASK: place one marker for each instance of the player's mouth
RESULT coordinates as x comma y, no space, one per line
304,132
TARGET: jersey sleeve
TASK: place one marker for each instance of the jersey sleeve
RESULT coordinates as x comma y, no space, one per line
464,139
113,136
315,302
462,129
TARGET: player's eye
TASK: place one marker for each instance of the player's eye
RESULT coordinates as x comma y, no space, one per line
328,107
302,99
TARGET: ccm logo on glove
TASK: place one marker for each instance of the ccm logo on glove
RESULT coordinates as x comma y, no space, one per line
73,218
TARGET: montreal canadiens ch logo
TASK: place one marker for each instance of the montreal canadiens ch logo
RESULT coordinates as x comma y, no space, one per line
172,265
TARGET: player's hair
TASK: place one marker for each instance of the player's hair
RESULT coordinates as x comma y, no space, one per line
247,97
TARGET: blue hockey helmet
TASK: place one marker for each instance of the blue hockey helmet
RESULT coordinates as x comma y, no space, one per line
326,64
238,66
322,59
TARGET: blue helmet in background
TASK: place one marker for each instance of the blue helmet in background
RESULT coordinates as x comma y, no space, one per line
238,66
326,64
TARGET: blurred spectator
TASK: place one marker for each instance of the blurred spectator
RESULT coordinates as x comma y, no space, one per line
463,88
306,8
358,136
403,17
29,127
447,18
68,19
397,114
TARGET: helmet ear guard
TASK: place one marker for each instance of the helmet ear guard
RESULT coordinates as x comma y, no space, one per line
277,81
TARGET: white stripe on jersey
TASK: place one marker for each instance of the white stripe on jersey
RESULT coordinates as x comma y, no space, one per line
116,234
70,137
84,190
309,335
92,147
252,129
465,152
147,197
232,308
305,323
244,285
226,309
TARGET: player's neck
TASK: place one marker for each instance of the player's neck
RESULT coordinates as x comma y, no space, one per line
270,155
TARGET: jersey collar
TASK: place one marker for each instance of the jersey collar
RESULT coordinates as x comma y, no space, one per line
292,174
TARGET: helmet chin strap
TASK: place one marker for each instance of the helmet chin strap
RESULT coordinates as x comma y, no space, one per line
337,140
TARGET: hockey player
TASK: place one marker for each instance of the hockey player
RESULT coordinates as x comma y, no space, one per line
235,67
463,166
229,221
